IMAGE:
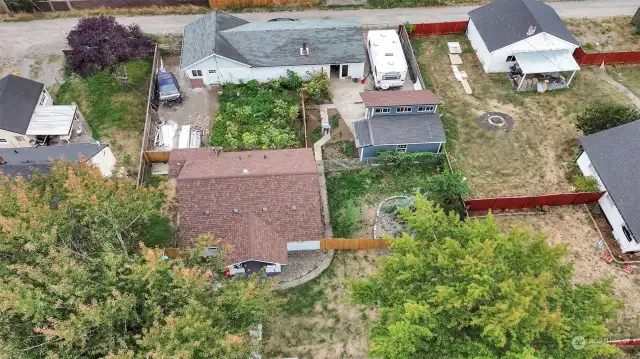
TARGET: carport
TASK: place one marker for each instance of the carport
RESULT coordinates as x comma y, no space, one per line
546,67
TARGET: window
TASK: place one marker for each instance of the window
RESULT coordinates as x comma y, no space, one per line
628,234
196,72
19,138
426,108
43,98
381,110
2,140
401,148
391,76
404,109
511,58
212,71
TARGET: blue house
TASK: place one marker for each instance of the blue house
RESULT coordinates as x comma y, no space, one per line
394,103
399,121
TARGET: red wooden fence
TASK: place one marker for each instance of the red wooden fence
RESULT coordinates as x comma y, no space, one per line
440,28
563,199
596,58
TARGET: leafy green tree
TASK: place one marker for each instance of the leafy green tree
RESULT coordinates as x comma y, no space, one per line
318,89
447,189
75,284
464,289
602,116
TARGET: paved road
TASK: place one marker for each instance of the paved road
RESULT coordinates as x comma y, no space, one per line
36,38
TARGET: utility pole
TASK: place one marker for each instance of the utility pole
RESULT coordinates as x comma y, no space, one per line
4,9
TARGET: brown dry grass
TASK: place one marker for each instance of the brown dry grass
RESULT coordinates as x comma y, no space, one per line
606,34
525,161
571,226
125,146
318,322
131,11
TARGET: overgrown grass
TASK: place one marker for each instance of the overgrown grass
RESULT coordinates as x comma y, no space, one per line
348,190
628,75
103,101
160,233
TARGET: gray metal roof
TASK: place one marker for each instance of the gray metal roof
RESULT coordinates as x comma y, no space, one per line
22,161
18,98
400,130
201,38
276,43
505,22
363,133
615,154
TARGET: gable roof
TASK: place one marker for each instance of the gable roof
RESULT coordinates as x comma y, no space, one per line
505,22
399,130
18,98
22,161
201,38
264,196
274,43
615,154
399,98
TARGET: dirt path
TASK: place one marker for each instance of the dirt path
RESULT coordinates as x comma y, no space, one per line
608,79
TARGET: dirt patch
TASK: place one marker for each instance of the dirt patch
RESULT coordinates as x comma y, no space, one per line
525,160
571,226
606,34
317,321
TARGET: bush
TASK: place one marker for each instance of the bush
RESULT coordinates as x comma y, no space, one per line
447,189
334,122
409,27
21,6
92,51
599,117
258,116
586,184
404,161
318,88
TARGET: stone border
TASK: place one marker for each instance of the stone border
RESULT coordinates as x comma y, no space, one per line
313,273
484,121
375,226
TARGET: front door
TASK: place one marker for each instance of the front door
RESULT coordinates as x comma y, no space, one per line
344,70
212,77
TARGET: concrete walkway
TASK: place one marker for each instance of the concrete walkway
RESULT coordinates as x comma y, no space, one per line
603,75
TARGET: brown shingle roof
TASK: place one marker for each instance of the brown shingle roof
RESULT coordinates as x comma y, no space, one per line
399,98
283,179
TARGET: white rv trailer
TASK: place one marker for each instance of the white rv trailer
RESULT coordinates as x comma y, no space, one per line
388,64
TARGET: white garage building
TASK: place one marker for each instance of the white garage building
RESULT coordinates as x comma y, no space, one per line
525,33
219,48
613,158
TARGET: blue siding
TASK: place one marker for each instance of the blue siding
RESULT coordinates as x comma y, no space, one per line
414,111
370,151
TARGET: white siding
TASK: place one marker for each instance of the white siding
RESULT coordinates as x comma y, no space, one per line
45,98
105,160
303,246
235,72
608,207
13,140
496,61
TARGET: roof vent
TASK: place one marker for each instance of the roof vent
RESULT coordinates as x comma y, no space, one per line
390,62
206,212
388,54
265,209
236,210
304,50
294,207
532,30
382,34
245,171
375,44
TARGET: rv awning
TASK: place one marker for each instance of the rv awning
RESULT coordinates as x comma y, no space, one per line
546,61
53,120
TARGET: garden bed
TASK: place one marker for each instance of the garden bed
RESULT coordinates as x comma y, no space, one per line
526,160
115,114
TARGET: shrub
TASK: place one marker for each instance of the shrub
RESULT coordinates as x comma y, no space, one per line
318,88
334,121
92,51
602,116
447,190
404,161
586,183
409,27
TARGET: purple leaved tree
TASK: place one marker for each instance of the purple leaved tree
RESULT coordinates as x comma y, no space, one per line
99,43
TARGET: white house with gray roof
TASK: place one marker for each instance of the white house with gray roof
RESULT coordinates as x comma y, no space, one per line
613,158
528,33
220,48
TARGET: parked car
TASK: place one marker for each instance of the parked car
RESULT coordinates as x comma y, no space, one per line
283,19
168,88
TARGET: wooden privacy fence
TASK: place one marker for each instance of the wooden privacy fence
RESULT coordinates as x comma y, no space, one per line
409,54
597,58
151,115
562,199
440,28
217,4
342,243
156,156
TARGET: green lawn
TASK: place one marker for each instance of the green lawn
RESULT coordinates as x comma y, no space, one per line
115,115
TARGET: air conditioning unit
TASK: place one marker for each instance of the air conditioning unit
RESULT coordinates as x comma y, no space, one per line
211,251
